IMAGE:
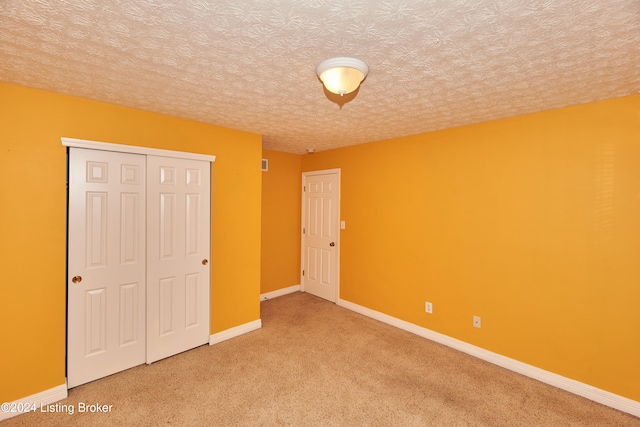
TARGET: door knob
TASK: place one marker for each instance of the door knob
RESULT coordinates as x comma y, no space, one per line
76,279
205,261
332,244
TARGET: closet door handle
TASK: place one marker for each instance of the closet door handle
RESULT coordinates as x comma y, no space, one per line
76,279
332,244
205,261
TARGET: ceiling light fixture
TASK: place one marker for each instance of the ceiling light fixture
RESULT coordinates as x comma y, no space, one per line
342,75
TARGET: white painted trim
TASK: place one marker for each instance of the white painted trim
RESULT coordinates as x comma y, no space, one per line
121,148
581,389
46,397
235,332
279,292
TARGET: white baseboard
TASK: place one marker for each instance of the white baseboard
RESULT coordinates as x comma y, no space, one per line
46,397
235,332
279,292
581,389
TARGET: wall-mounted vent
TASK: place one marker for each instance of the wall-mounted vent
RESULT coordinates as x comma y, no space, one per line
265,165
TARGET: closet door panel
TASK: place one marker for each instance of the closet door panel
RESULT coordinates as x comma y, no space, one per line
178,233
106,264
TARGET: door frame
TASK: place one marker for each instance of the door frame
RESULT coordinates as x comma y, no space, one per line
132,149
121,148
337,227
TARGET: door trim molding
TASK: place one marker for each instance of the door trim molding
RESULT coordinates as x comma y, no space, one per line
303,236
121,148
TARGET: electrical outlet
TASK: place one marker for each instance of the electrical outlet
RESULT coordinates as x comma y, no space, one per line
476,321
428,307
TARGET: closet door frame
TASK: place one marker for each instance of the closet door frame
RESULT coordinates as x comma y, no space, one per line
121,148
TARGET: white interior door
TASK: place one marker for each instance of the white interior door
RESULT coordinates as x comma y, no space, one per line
321,233
178,238
106,264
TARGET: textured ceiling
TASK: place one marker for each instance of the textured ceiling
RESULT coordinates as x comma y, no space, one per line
250,65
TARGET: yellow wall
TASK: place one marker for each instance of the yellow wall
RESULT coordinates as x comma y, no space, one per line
532,223
281,206
33,220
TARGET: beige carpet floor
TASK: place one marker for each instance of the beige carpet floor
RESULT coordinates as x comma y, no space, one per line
316,364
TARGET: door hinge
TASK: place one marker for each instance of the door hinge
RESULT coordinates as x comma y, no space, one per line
304,189
303,272
304,230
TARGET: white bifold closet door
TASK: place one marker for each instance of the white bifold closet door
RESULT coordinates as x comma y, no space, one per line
138,273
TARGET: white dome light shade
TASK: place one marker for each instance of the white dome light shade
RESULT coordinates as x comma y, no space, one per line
342,75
